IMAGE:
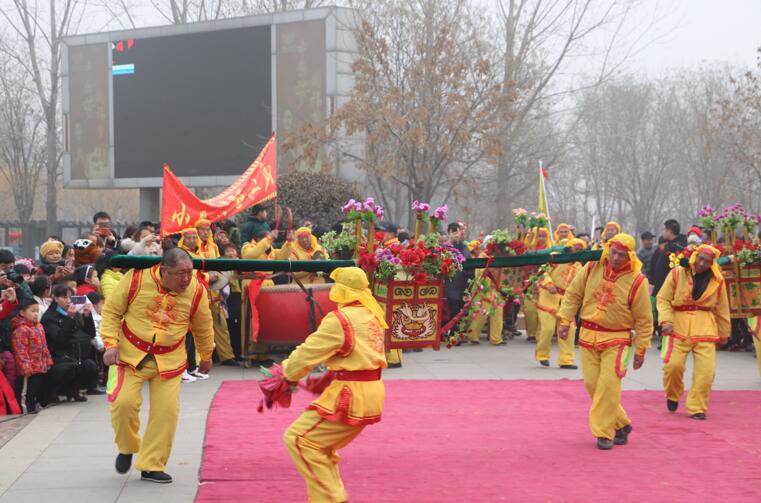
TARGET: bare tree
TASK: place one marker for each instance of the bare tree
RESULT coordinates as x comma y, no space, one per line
38,36
22,149
427,100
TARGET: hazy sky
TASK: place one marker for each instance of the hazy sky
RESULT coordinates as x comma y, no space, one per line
693,31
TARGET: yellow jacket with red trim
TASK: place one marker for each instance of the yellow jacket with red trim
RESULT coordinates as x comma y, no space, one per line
704,320
612,303
350,339
560,277
157,316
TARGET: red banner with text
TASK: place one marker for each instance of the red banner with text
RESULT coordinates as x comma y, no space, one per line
181,209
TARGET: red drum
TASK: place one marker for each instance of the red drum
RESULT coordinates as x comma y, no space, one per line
284,312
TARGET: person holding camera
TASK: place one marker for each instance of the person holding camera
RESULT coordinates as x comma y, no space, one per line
69,329
102,228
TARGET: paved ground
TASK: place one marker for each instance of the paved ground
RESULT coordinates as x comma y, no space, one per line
66,453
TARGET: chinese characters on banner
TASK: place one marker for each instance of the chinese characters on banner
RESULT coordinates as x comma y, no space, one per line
181,209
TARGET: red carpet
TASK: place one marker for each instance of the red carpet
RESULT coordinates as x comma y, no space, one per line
483,441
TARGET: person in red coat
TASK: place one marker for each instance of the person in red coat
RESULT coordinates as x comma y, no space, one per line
33,359
87,279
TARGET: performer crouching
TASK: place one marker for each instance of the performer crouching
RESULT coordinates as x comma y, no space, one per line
349,341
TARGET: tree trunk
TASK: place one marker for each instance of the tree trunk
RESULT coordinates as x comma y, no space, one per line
51,200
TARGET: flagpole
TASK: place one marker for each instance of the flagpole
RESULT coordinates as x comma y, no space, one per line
546,199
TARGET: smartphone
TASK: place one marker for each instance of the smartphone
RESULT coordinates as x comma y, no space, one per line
79,302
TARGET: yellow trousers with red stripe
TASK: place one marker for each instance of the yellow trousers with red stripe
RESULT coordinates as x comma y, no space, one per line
394,356
156,444
547,328
757,344
603,384
314,443
496,323
704,357
531,317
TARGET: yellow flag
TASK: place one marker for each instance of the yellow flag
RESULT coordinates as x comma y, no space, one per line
542,196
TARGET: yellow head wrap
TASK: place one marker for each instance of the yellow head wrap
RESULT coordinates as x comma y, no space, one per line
546,232
630,244
185,232
708,250
472,245
313,244
351,285
50,246
613,224
577,242
562,227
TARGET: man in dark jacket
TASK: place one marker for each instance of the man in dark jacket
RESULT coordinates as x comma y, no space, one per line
454,289
674,243
255,225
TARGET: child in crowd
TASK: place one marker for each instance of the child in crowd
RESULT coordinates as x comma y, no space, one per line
87,279
98,301
33,359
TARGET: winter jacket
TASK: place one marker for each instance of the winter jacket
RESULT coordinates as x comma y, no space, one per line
86,288
69,339
662,266
108,281
30,347
251,228
9,366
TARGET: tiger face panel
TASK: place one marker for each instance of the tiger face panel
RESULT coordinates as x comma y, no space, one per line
412,322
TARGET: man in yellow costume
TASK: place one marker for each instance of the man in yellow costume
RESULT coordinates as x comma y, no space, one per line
207,247
552,287
614,300
563,233
306,247
693,310
261,249
491,301
538,240
350,342
144,325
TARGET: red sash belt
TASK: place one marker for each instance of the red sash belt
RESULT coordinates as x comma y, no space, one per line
358,375
692,308
148,347
599,328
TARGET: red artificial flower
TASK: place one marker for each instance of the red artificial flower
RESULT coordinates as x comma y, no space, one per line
517,246
739,245
421,277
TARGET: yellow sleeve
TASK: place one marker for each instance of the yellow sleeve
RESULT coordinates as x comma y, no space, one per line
107,285
202,328
723,319
253,251
573,297
114,310
665,297
317,348
546,281
642,312
284,252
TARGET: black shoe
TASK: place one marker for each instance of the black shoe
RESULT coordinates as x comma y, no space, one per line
531,339
699,415
95,391
622,435
230,363
571,367
544,363
604,444
475,343
123,463
78,397
417,350
672,405
158,477
394,365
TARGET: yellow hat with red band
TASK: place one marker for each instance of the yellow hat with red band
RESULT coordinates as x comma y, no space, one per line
623,242
707,250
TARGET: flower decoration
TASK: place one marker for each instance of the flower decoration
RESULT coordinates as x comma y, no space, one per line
421,260
521,217
368,211
707,217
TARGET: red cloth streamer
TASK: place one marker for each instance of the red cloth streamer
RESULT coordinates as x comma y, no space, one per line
276,390
253,292
317,385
